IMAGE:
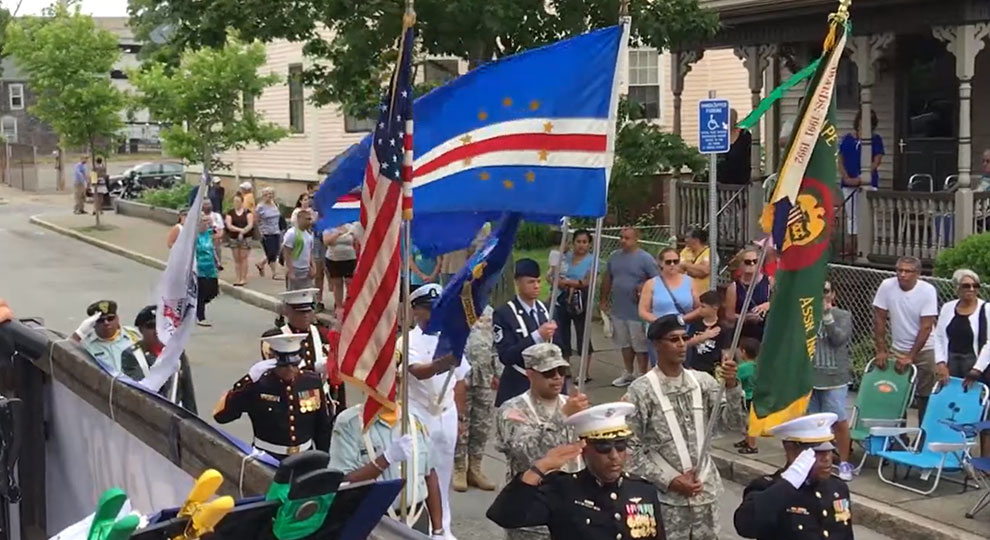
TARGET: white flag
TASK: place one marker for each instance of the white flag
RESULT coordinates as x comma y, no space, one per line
176,297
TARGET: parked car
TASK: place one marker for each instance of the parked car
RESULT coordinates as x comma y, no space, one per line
152,175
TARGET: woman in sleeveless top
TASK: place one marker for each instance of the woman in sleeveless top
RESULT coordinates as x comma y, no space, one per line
671,296
572,300
735,294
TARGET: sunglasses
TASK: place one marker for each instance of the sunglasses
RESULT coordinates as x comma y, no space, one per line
750,262
606,447
968,286
671,262
681,338
106,319
555,372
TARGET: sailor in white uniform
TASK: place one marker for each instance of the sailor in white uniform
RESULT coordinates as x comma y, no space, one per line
428,398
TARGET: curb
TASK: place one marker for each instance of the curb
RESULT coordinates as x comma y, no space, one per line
252,297
871,513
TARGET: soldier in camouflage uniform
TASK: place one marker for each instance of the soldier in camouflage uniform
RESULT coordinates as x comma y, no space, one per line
477,420
530,424
673,405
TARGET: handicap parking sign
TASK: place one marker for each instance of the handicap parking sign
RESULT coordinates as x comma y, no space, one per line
713,126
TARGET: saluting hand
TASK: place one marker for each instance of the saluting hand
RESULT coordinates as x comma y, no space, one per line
558,456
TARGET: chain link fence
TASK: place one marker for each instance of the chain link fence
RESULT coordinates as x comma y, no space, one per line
652,238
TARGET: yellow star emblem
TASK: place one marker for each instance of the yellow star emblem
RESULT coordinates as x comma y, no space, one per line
530,176
482,115
548,127
543,155
507,102
477,270
508,184
533,105
466,139
467,161
484,175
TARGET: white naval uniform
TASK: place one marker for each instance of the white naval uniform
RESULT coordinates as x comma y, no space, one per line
440,420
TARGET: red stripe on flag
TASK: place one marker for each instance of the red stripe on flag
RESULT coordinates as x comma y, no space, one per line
520,141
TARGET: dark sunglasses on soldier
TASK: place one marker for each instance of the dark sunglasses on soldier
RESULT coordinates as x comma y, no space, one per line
606,447
549,374
106,319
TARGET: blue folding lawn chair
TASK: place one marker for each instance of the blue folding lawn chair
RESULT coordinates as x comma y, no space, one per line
937,446
978,468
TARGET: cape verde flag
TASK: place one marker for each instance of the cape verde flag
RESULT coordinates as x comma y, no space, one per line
531,133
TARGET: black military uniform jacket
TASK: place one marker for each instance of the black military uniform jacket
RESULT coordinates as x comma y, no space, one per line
577,506
513,329
772,509
185,393
282,413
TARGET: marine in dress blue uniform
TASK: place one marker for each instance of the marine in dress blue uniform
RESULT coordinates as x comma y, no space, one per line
802,501
516,327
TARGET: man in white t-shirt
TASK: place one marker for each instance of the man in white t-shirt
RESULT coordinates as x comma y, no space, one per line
912,306
428,376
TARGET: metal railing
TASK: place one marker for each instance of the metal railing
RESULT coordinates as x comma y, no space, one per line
732,216
981,212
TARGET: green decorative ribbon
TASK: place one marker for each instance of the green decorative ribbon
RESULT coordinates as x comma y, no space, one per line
776,94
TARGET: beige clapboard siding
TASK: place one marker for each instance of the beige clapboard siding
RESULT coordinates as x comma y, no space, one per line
718,70
883,104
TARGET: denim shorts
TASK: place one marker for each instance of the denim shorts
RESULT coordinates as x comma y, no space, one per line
831,400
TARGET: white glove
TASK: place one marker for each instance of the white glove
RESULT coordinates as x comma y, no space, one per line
798,472
438,537
260,368
88,324
399,450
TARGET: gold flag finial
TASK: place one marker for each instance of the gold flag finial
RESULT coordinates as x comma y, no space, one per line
837,22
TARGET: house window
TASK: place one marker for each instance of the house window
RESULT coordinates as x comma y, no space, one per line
353,124
296,104
437,72
8,128
16,92
644,81
846,86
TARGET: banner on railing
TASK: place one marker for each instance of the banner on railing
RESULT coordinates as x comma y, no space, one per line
88,453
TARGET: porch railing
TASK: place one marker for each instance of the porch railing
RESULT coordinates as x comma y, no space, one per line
981,212
905,223
732,217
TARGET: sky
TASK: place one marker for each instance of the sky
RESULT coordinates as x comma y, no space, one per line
99,8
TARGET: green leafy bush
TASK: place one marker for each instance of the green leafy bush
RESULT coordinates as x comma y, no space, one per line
534,236
174,197
972,253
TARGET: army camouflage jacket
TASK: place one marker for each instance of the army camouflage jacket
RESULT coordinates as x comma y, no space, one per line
480,351
525,434
653,451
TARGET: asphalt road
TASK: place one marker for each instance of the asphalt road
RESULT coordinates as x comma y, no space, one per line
54,277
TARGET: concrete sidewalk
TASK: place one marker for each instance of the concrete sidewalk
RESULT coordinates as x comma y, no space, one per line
891,511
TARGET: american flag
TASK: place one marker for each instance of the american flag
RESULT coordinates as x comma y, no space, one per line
367,337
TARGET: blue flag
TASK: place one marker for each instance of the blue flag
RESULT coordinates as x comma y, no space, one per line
531,133
464,298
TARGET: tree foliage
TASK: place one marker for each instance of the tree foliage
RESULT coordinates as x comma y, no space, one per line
201,99
973,253
68,62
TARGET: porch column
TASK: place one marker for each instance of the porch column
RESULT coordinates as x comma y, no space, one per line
864,52
964,42
756,58
680,65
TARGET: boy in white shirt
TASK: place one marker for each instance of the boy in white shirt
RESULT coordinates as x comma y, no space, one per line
912,306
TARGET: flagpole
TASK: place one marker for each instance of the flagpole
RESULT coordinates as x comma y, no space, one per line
589,308
737,333
408,19
555,268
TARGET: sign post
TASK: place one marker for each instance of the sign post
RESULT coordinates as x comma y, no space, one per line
713,139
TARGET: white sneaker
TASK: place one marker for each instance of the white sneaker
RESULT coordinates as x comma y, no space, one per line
625,380
845,471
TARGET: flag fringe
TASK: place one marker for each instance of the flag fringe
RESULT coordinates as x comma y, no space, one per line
760,427
369,391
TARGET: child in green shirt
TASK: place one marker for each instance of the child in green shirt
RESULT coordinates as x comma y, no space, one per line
749,349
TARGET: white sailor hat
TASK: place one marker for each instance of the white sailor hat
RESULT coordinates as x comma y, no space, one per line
813,429
285,345
605,421
300,300
425,294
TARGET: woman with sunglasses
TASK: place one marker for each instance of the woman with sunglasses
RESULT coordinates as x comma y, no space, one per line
961,330
735,294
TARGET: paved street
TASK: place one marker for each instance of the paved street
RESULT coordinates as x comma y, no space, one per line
54,277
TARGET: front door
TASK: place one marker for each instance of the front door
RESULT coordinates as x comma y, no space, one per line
928,105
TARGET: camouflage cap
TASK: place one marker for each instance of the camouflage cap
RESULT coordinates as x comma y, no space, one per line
543,357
